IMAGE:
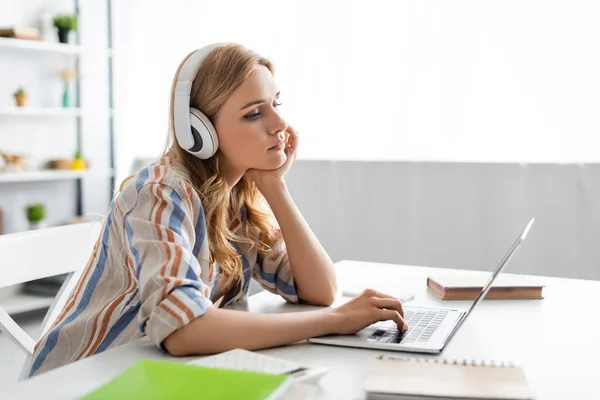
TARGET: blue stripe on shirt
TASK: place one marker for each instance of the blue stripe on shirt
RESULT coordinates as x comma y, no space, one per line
273,278
194,294
142,176
129,233
177,215
52,338
139,183
200,231
122,323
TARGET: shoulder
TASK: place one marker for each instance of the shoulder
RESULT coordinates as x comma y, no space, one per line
154,179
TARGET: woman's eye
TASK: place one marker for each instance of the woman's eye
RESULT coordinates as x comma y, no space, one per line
252,117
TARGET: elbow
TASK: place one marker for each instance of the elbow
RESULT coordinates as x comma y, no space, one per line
329,295
173,346
329,298
324,299
184,341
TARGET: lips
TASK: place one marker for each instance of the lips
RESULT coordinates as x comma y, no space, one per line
278,146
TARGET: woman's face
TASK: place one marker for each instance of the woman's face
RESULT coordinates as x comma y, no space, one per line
251,131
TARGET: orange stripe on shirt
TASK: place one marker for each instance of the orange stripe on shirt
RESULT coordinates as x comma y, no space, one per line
158,225
188,188
153,208
159,173
162,206
94,329
77,290
131,287
177,260
182,306
172,313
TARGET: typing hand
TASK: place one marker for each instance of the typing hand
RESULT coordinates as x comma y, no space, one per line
368,308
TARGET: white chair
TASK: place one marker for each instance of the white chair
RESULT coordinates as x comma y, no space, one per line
41,253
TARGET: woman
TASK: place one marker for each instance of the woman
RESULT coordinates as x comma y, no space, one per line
184,236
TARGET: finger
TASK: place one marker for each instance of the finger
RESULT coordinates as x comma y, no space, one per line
291,130
293,133
375,293
293,138
390,304
386,315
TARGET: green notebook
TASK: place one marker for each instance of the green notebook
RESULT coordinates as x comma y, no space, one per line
149,379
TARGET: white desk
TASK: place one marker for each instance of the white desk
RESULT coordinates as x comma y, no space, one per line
557,340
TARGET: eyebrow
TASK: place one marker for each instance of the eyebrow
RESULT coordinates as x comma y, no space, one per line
259,101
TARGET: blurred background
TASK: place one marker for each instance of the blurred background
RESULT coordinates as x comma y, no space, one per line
432,131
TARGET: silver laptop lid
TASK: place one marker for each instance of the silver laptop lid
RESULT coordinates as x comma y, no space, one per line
486,288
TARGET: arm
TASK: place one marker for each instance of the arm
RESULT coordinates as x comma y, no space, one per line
312,269
176,312
160,235
220,330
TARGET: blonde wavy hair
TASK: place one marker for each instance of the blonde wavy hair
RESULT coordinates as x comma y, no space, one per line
222,72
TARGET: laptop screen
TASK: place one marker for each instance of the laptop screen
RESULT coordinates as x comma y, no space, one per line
488,285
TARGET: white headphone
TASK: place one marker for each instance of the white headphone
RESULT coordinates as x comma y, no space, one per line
193,130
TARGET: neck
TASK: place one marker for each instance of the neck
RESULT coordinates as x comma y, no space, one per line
231,174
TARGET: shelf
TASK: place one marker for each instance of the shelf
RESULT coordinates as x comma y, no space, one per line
50,47
49,112
41,111
51,175
20,302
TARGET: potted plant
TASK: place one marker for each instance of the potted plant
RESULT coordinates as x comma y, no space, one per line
20,97
36,215
65,23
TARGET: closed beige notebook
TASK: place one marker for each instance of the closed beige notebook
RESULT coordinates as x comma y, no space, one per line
402,377
469,287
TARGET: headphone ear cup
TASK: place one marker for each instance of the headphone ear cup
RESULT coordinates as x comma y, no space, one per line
205,137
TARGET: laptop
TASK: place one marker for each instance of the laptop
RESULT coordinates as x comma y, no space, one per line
429,329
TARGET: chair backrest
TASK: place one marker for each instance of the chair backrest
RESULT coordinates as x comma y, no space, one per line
41,253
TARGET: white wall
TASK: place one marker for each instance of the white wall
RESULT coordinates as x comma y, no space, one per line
454,215
493,86
464,80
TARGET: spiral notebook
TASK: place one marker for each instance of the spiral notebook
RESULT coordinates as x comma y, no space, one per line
425,378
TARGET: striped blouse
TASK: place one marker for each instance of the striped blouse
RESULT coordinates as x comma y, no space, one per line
148,274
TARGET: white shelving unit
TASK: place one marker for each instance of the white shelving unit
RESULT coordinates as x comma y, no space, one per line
51,47
51,175
51,54
40,112
49,112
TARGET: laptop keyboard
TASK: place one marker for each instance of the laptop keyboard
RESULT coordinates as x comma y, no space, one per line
421,325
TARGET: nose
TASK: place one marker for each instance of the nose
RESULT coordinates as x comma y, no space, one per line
277,124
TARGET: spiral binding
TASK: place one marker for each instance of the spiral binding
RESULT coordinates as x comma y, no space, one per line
455,361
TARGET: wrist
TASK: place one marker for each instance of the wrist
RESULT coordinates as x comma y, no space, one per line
272,188
333,320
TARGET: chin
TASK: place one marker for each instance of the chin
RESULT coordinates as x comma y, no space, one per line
275,161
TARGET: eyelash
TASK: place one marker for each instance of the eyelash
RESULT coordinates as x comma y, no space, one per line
254,117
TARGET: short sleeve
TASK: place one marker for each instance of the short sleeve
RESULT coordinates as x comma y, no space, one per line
160,237
274,273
